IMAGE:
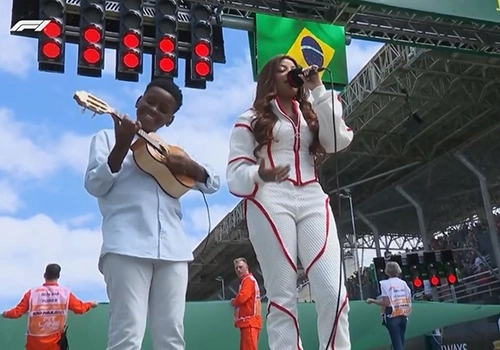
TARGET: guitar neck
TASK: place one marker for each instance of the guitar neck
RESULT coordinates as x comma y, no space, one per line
140,133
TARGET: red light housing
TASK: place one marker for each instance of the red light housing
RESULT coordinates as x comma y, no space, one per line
202,68
167,44
131,60
92,35
92,55
51,49
131,40
167,64
452,279
434,281
202,49
417,282
53,30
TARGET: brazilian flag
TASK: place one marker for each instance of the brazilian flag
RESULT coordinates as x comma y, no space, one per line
309,43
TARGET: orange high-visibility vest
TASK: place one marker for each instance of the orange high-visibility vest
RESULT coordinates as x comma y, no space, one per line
248,307
48,310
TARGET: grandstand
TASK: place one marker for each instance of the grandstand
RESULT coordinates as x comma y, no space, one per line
421,118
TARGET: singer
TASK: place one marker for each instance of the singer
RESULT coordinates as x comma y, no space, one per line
274,150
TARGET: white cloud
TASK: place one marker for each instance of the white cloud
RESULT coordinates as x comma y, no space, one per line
29,245
19,60
35,156
9,199
359,53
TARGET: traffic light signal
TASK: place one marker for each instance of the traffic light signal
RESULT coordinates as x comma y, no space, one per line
397,259
166,24
92,36
416,274
449,266
201,43
130,47
432,269
51,40
379,264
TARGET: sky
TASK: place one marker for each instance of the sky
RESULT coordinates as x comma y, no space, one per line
45,213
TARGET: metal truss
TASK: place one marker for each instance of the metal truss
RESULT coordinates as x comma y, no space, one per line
380,68
405,27
380,23
232,230
387,25
391,242
400,81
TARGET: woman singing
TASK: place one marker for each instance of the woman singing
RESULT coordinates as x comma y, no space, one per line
273,149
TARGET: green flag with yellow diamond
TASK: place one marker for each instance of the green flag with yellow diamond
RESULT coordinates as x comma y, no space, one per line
310,43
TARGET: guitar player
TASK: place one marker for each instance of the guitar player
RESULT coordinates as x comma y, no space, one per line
145,252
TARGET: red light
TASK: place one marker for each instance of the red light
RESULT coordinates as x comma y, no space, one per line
202,68
131,40
417,282
92,35
51,50
131,60
167,64
53,30
452,279
434,280
92,55
167,45
202,49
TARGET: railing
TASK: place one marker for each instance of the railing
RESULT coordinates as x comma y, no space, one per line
469,289
472,288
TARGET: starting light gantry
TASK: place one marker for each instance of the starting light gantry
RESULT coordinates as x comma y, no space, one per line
420,266
173,30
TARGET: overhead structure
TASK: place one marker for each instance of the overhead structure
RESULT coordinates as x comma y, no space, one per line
166,40
371,20
92,33
51,42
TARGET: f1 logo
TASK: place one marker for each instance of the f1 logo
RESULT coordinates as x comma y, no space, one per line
36,25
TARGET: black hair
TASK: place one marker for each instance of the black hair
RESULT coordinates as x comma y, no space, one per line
169,86
52,272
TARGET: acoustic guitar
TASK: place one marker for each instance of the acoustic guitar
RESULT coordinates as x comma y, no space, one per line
149,151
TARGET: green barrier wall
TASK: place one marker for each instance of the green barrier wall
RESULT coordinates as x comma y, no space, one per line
209,325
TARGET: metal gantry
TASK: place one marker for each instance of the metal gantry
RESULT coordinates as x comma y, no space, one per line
379,23
361,21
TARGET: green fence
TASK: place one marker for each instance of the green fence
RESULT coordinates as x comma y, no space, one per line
209,326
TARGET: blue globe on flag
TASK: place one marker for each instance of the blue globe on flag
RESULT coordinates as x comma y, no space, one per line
312,52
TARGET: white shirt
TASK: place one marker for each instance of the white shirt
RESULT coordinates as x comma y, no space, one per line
399,295
139,219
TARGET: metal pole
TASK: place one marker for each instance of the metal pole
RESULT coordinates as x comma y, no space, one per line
223,292
487,205
223,289
355,238
376,236
374,177
420,216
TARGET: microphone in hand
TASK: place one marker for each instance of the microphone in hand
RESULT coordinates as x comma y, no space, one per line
295,75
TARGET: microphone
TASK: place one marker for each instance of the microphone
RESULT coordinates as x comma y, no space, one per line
294,78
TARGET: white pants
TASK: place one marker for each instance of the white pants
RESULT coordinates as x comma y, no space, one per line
138,288
285,221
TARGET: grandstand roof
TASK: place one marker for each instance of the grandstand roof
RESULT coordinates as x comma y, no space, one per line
411,110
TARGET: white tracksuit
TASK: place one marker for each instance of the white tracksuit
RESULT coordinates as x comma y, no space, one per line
293,218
